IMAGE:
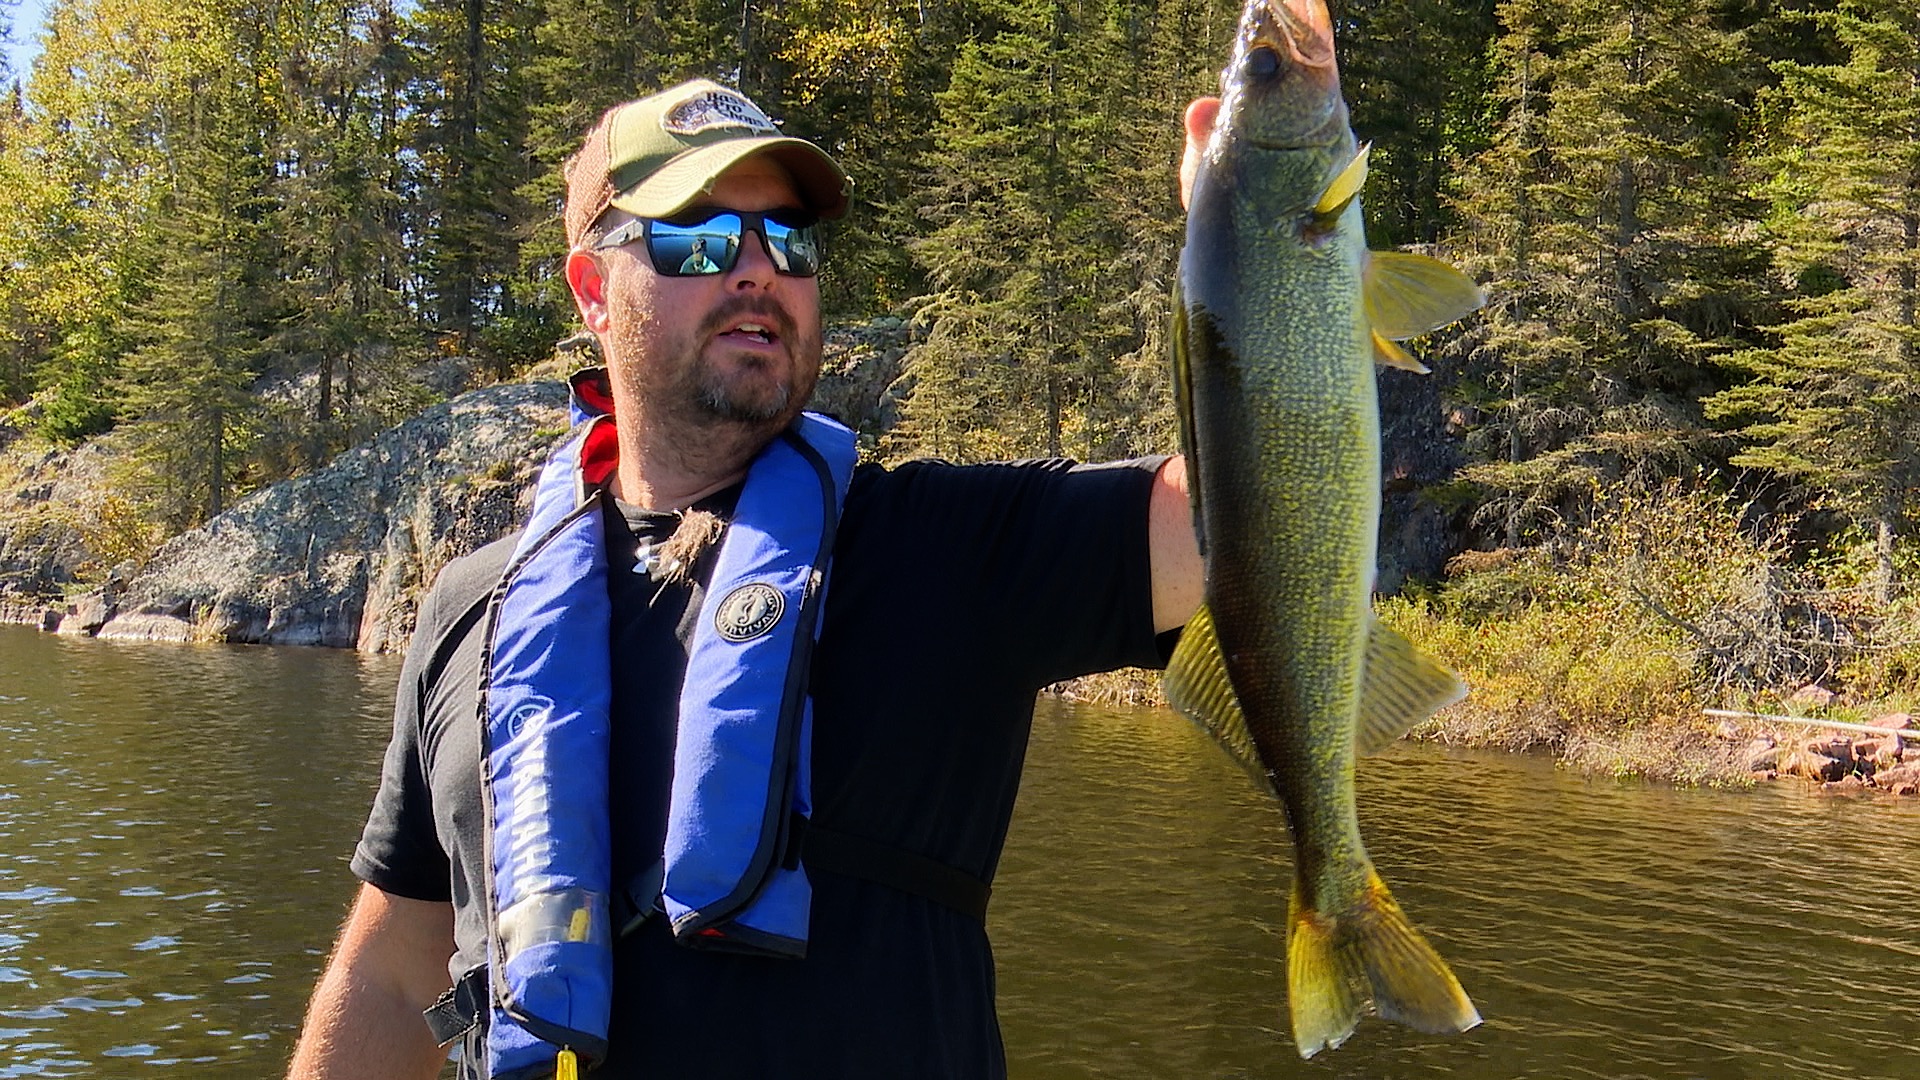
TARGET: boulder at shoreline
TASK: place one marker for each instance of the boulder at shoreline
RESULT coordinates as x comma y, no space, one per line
341,556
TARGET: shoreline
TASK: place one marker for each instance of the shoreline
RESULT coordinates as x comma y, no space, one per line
1734,753
1714,752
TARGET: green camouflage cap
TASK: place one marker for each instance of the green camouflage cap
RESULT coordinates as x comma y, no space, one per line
653,156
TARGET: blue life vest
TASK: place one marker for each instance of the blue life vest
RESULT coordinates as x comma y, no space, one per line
741,770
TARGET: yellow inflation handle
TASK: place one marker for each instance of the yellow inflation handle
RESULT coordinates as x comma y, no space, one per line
566,1066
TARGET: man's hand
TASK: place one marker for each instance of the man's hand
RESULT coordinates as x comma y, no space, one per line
364,1022
1200,116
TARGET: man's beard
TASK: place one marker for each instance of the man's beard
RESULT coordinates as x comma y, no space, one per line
690,388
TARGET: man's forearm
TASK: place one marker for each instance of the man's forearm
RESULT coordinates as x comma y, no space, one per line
1178,576
358,1032
364,1022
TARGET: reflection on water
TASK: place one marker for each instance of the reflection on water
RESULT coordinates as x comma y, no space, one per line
174,827
1604,929
175,823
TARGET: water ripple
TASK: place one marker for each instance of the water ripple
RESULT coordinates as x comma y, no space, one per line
1604,929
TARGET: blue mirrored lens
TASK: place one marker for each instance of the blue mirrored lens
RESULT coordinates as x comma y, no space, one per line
710,246
705,247
795,248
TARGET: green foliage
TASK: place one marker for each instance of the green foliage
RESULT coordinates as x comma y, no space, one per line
1618,632
1051,248
470,131
1832,398
73,403
241,232
1600,219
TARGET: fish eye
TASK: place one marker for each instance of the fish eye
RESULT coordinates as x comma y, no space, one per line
1263,63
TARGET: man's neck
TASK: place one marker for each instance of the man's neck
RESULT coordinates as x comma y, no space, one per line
674,471
635,486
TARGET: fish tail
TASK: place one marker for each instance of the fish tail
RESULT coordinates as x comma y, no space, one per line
1370,956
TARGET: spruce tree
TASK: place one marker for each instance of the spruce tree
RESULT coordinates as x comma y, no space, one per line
471,105
1424,109
1599,220
1039,250
1833,399
343,263
206,307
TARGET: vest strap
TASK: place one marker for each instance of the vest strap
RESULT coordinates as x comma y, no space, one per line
853,856
459,1009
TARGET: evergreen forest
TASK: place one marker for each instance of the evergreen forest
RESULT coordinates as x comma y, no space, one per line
239,231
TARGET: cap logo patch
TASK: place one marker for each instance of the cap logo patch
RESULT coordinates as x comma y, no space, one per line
712,109
749,611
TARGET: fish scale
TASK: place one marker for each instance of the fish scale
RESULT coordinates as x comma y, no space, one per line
1278,324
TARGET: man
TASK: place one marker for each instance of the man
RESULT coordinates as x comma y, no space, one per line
955,593
698,263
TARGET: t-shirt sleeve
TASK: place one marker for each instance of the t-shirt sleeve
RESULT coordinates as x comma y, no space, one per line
1047,560
399,851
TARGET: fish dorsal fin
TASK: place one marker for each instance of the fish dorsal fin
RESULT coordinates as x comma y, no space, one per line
1197,686
1402,687
1333,201
1388,353
1408,295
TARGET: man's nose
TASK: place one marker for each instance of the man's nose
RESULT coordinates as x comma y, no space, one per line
754,268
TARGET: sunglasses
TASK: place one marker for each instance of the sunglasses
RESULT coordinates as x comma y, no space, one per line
706,240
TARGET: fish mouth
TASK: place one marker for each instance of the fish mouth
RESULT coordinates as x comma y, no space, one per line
1303,28
1285,60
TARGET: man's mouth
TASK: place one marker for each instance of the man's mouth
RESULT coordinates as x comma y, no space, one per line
756,332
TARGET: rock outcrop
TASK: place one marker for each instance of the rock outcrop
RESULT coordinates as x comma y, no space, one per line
1890,762
49,498
340,556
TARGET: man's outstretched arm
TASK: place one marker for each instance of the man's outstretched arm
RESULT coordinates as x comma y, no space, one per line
1178,576
364,1022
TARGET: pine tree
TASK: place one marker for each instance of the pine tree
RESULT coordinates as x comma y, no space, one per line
85,178
589,56
198,326
1051,247
1423,108
1834,399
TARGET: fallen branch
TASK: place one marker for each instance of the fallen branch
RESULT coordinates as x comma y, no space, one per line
1835,724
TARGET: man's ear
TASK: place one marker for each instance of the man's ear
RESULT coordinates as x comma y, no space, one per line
589,287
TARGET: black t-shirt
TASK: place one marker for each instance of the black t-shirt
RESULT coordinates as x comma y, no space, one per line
956,592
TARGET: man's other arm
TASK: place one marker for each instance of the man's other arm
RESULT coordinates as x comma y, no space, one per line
364,1022
1178,577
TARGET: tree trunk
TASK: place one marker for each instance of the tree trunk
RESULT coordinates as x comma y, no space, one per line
1883,562
217,474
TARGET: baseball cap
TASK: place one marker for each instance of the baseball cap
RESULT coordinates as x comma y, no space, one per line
653,156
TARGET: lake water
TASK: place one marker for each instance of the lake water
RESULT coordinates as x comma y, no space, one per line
175,822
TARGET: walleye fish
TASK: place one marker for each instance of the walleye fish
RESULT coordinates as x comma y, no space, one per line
1280,315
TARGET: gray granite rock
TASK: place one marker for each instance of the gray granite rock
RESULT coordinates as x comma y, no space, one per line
341,556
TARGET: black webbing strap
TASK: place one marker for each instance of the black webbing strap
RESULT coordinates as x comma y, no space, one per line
458,1011
858,857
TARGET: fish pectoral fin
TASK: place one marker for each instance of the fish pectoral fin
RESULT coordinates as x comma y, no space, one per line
1197,685
1345,187
1339,963
1408,295
1388,353
1401,687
